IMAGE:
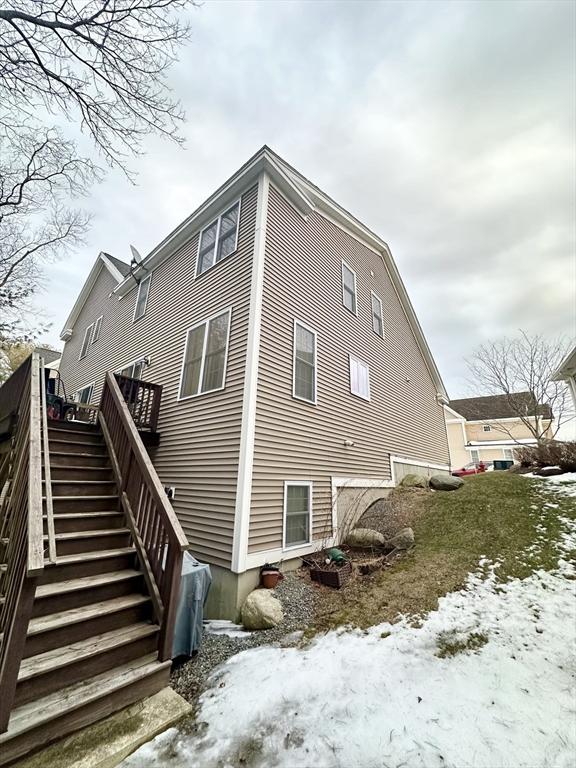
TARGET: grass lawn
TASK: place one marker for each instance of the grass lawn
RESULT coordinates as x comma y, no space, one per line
500,516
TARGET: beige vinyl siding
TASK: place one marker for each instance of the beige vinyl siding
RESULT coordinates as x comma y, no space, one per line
200,437
297,440
459,456
504,430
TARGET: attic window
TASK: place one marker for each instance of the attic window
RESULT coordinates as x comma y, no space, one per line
96,330
219,239
487,428
348,288
86,341
142,299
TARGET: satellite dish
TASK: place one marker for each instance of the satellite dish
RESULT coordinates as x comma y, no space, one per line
136,258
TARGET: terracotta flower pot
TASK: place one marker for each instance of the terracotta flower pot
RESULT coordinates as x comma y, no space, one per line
270,579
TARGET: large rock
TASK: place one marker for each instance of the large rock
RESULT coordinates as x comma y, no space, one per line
549,471
364,538
261,610
402,540
414,481
445,482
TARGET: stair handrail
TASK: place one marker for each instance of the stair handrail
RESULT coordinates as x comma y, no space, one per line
155,525
21,526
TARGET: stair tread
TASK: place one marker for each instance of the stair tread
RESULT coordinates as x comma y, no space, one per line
36,713
85,612
90,534
82,515
82,498
83,649
79,467
82,482
86,582
81,557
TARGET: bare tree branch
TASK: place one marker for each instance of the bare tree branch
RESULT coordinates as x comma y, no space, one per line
103,62
520,370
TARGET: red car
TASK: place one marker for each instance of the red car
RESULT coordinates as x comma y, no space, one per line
471,469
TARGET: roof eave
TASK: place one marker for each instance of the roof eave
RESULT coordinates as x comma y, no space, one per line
567,367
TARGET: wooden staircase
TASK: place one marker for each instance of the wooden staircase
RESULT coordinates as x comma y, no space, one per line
92,641
97,637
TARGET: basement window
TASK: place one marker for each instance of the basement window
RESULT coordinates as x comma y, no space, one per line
297,513
219,239
205,356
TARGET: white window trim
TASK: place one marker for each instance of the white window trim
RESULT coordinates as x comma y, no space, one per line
313,332
206,321
218,219
147,279
355,312
287,484
87,334
96,328
90,386
379,300
358,360
132,362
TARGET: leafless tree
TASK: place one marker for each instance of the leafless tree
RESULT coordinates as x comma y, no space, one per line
525,365
39,174
100,62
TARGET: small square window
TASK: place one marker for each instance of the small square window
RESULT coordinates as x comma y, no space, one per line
487,428
359,378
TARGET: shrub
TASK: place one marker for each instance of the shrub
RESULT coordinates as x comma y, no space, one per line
550,454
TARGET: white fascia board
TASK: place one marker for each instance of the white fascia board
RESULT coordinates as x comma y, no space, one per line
567,367
101,260
228,193
457,416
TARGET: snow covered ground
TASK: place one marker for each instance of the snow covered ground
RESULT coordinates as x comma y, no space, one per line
383,698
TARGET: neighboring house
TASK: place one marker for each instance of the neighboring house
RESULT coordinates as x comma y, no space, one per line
297,383
566,371
488,428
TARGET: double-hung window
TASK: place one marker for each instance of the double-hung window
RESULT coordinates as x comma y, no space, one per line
297,513
134,370
219,239
304,363
86,341
377,321
348,288
96,329
359,378
142,298
84,395
204,367
475,456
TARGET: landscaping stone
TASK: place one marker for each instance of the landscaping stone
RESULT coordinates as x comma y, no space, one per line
403,540
364,538
261,610
549,471
414,481
446,482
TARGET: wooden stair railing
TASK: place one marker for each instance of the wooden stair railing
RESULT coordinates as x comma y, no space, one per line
156,531
21,527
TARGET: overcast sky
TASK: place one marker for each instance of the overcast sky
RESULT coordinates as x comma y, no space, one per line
446,127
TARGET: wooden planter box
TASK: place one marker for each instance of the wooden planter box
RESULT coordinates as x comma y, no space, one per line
331,577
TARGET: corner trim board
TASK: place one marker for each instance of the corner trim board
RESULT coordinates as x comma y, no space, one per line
248,428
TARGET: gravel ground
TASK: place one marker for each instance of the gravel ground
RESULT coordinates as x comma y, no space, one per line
298,597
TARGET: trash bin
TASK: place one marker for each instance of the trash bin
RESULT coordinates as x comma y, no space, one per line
194,586
503,463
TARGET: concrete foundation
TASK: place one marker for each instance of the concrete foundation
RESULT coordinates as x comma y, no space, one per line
107,743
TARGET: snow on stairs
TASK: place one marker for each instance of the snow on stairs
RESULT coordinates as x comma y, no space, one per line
92,642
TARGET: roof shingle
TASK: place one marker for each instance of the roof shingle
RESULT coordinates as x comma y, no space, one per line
499,407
